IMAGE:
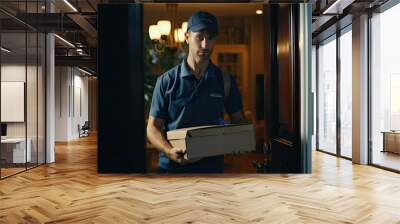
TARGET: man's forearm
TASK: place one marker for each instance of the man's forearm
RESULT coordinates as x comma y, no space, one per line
158,139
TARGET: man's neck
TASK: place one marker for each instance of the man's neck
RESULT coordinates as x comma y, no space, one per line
198,68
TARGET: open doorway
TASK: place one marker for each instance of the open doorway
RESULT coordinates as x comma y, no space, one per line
282,58
239,51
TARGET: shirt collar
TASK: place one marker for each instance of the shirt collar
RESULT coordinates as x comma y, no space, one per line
186,71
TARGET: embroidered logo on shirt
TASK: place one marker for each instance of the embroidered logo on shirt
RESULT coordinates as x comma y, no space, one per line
216,95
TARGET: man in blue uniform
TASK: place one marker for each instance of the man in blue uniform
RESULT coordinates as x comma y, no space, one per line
192,94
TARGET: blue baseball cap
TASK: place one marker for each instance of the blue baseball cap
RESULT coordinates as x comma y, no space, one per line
203,20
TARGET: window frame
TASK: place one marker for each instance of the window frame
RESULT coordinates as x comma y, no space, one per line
334,37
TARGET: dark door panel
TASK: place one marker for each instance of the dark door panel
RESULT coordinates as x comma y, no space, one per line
120,84
284,88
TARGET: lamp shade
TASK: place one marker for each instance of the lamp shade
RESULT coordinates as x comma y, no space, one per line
184,26
179,35
154,33
164,26
176,38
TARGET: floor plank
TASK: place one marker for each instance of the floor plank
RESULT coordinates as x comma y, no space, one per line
71,191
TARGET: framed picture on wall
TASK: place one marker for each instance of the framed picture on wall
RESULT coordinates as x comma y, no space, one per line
12,101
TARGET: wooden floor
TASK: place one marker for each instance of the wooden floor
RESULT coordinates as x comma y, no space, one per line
8,171
5,172
71,191
386,159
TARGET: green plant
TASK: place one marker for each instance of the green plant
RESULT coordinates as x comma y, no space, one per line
155,64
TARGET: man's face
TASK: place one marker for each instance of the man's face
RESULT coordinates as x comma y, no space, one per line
201,44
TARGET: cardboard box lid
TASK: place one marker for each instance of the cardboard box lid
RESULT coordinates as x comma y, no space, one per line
208,130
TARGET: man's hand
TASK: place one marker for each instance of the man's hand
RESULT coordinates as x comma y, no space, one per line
179,155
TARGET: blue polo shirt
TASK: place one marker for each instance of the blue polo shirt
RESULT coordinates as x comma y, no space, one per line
183,101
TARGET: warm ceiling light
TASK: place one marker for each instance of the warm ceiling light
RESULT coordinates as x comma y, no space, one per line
179,35
5,50
259,12
70,5
65,41
184,26
154,33
176,35
164,26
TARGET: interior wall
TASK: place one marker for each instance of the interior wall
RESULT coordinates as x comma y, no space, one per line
256,65
254,40
71,102
62,81
80,109
256,46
